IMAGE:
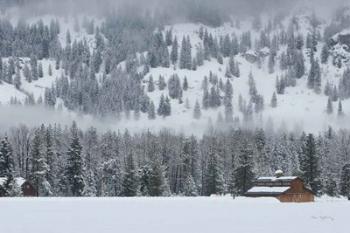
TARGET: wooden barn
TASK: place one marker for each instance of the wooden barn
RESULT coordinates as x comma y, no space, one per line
284,188
27,188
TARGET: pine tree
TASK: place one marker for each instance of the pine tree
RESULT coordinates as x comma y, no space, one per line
161,108
40,70
17,81
197,111
150,86
185,84
329,106
214,174
345,181
130,185
340,109
157,180
271,63
324,54
27,73
309,163
318,80
7,169
50,70
174,52
330,187
40,168
161,83
274,100
243,174
151,111
190,188
74,168
228,111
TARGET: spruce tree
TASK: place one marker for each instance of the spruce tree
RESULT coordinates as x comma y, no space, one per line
309,163
40,70
197,111
345,181
340,109
130,184
150,86
50,70
174,52
214,174
157,180
74,168
185,84
161,83
243,174
40,168
329,106
151,111
274,100
7,168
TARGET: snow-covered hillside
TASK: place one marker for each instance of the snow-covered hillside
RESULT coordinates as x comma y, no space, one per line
298,108
172,215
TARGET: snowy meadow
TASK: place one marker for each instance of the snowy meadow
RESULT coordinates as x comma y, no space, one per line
171,215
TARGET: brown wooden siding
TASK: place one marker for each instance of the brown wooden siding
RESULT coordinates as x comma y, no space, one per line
296,197
28,190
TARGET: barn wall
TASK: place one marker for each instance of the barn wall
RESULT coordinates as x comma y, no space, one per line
28,190
296,197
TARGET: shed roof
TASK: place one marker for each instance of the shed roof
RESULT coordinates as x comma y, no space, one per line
267,190
273,178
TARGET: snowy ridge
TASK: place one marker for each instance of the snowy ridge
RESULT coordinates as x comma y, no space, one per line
297,108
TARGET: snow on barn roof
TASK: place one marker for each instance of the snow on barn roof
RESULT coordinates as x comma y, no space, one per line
273,178
267,190
19,181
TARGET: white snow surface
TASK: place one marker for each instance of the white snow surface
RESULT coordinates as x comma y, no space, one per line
171,215
19,181
273,178
263,189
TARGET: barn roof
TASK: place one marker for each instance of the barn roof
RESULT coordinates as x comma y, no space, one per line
273,178
19,181
265,190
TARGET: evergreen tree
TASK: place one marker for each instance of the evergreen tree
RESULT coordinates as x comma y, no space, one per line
340,109
150,87
330,187
174,52
329,106
197,111
151,111
7,169
50,70
157,181
74,168
309,163
17,81
185,84
243,173
214,174
274,100
324,54
40,168
130,185
190,188
40,70
161,83
345,181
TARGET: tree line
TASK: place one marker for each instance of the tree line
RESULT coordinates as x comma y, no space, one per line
69,161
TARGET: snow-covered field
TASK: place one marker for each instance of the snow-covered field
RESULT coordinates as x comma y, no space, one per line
167,215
